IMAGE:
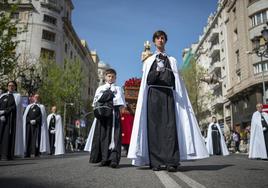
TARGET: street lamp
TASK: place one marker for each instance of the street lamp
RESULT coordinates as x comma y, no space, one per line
261,51
64,116
31,84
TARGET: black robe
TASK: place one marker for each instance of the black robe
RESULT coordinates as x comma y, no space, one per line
216,140
33,132
100,151
51,127
161,120
8,127
265,133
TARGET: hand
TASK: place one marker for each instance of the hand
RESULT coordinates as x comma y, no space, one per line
113,89
2,112
52,131
32,122
160,66
264,128
2,118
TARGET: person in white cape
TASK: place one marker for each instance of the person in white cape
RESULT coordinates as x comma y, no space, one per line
35,134
11,135
165,129
258,145
215,142
55,132
104,139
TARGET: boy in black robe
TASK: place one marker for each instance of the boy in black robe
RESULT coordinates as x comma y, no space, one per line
106,144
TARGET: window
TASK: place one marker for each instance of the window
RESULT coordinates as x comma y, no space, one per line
50,19
71,54
237,57
238,74
235,35
48,35
66,48
15,15
257,68
259,18
46,53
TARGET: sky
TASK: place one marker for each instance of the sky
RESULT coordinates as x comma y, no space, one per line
117,29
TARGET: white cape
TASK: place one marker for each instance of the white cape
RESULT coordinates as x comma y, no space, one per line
19,151
191,143
209,145
119,100
59,138
257,148
44,141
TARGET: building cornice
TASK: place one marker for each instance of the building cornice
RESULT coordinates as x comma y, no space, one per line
68,26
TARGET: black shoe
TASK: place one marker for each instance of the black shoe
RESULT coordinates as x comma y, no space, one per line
155,168
4,158
171,169
113,164
104,163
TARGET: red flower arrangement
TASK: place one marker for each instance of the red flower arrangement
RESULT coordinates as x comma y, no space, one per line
133,82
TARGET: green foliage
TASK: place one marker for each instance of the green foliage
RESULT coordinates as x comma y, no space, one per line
192,75
61,84
8,31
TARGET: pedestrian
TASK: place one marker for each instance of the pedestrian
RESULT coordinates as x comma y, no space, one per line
11,135
165,129
258,145
35,132
104,140
236,139
127,118
55,132
215,140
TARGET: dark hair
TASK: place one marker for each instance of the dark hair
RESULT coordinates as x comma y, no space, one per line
110,71
159,33
13,82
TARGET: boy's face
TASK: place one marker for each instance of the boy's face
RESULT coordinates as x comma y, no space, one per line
160,42
110,78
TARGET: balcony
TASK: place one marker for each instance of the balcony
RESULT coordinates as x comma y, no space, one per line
217,101
52,5
214,50
214,33
214,67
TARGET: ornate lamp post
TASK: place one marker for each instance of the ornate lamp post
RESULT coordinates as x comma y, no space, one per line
32,83
262,51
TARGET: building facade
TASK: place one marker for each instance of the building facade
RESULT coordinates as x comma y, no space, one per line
245,20
48,31
102,67
235,73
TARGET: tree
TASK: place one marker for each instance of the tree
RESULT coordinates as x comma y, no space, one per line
8,32
61,84
199,98
10,69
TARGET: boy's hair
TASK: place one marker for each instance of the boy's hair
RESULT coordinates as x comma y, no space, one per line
159,33
110,71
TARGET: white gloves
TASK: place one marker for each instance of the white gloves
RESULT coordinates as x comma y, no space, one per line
160,66
32,122
264,128
2,112
2,118
52,131
113,89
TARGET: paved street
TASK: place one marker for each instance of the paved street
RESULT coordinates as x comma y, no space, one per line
73,170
